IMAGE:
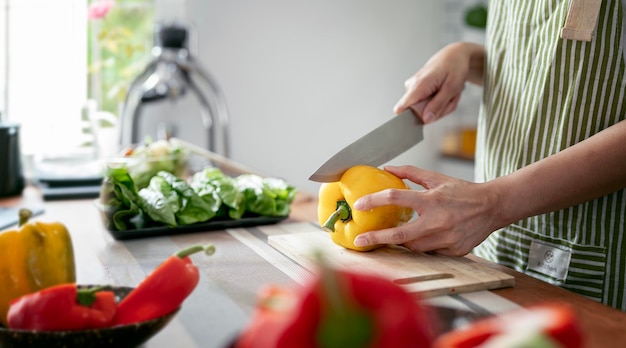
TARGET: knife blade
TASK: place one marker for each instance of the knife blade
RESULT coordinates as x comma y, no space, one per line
376,147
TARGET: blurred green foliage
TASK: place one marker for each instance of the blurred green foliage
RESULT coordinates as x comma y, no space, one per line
476,16
119,49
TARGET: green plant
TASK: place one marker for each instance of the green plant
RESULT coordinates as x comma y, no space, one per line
476,16
120,36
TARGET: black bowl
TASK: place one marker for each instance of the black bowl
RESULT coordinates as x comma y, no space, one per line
131,335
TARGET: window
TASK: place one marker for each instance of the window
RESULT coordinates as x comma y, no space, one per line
45,51
53,60
119,50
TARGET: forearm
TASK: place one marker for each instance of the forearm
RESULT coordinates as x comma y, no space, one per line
590,169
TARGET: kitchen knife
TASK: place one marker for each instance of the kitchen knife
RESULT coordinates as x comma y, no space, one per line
376,147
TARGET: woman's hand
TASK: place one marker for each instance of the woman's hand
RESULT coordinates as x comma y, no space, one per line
456,215
443,79
453,215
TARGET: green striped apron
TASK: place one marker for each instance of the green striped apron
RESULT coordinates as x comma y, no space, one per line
542,94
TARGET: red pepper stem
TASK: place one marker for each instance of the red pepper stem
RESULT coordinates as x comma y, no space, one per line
24,214
344,324
208,249
87,296
330,284
343,213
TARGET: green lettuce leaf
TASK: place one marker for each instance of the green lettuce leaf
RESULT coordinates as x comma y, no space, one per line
119,199
265,196
160,201
224,186
171,201
193,208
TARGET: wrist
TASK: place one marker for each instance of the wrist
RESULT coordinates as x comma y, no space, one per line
476,63
473,56
503,205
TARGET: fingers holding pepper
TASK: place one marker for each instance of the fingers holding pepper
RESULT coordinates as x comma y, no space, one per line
453,215
336,199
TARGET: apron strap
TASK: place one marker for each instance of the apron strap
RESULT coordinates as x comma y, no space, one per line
581,20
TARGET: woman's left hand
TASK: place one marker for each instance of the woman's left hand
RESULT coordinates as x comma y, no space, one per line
453,215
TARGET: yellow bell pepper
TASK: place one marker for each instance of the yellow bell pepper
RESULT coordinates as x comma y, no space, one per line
36,256
334,210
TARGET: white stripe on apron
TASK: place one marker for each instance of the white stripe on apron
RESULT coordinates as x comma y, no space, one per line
544,93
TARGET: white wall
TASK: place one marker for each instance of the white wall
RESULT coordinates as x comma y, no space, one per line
305,78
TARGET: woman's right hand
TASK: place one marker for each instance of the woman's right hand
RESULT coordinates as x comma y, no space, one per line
442,79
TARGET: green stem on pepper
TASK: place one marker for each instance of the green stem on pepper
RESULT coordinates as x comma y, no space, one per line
343,213
343,324
208,249
63,307
163,290
24,214
87,296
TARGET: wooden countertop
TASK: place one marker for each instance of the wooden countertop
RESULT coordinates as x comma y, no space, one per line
102,259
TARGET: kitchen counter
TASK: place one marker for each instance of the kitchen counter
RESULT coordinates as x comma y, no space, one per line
243,263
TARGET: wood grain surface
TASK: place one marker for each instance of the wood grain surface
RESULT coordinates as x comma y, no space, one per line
427,274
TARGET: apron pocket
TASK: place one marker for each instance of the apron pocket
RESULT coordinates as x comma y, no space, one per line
576,267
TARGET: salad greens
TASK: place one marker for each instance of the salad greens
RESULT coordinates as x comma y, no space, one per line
210,194
212,181
150,157
119,198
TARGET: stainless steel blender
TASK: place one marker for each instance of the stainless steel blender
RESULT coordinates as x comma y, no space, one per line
175,97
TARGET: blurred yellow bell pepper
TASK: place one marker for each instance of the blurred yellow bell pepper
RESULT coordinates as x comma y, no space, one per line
33,257
334,210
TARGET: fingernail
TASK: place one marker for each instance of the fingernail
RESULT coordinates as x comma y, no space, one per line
360,241
429,117
358,205
396,108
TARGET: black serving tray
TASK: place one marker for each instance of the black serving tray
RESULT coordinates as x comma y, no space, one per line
211,225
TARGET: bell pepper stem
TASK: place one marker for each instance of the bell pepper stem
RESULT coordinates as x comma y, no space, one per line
343,213
208,249
24,214
344,324
87,296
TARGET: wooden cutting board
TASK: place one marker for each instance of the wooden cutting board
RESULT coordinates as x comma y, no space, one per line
429,275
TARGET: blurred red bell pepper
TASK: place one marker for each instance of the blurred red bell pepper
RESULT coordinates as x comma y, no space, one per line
163,290
340,309
546,325
274,310
63,307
